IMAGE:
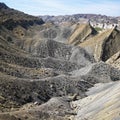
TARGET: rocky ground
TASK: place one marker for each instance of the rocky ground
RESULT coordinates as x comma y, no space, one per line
68,71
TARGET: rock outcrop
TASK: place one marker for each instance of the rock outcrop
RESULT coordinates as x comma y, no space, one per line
11,18
103,45
102,103
81,33
114,60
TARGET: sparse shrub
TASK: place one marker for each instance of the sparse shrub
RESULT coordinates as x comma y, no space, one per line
9,39
98,29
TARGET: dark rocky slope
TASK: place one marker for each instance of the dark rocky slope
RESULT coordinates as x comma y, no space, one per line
11,18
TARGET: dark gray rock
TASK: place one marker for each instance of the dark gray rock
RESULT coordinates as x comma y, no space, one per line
98,72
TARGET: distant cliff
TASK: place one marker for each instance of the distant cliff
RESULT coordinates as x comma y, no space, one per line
101,21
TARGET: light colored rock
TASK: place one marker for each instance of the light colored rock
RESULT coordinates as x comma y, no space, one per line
102,103
114,60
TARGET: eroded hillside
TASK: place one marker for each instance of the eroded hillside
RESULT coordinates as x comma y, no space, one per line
55,72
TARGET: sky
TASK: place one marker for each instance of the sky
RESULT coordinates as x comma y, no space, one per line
66,7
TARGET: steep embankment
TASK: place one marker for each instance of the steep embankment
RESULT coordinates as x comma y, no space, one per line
103,45
114,60
11,18
81,33
102,103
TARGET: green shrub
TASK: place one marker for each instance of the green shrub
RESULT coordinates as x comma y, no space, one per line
98,29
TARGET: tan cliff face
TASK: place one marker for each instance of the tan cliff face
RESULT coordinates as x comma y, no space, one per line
103,45
114,60
81,34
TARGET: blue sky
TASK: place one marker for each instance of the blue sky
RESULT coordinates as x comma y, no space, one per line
63,7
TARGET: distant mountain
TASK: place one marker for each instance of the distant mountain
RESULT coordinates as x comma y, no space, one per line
95,20
77,17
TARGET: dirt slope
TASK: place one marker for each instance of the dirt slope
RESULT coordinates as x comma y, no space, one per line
81,33
103,45
102,103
